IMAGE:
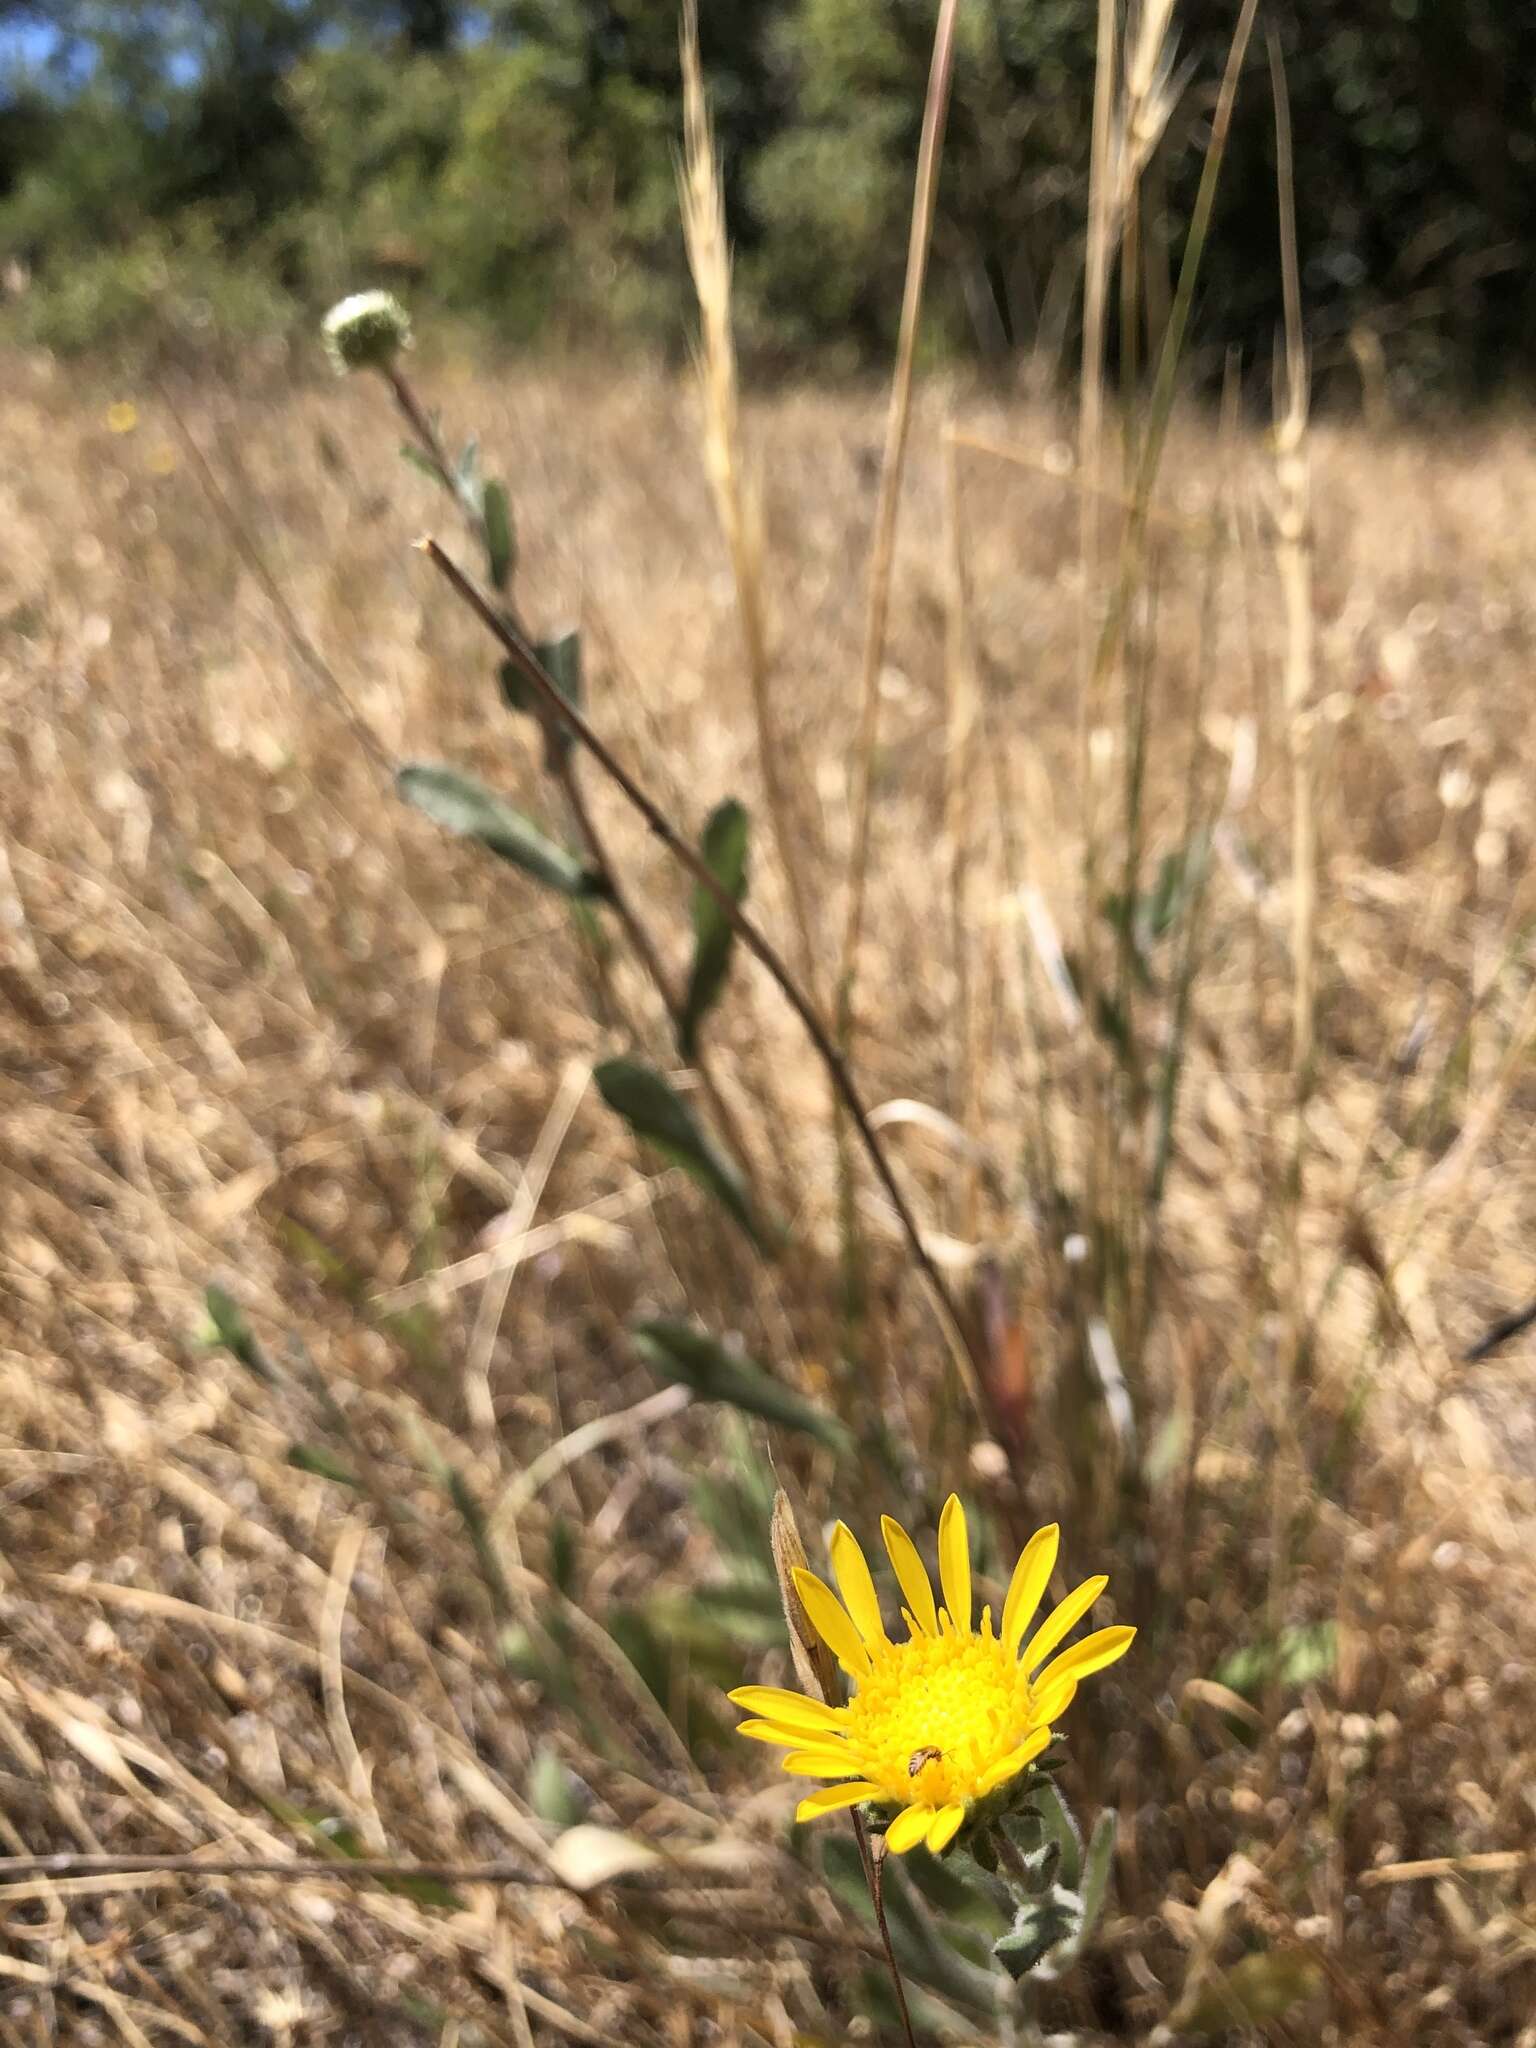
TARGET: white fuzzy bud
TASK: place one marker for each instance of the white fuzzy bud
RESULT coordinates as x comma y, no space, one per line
366,331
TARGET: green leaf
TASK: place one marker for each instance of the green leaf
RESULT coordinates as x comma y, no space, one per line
554,1793
310,1458
410,453
631,1629
228,1328
496,518
1097,1865
1298,1656
561,659
478,1528
343,1840
1258,1989
724,847
682,1353
327,1265
562,1555
1040,1926
655,1111
468,808
1061,1830
469,472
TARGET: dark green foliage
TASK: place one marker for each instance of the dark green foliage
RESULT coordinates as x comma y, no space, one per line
230,162
724,847
683,1354
498,533
475,812
654,1111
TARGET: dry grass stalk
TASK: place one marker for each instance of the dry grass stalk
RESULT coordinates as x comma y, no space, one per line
217,946
882,563
736,486
1147,97
963,800
1293,561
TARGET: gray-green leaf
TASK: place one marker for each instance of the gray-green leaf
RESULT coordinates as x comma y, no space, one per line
724,847
655,1111
682,1353
475,812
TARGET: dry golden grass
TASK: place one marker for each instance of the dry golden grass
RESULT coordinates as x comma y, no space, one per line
245,989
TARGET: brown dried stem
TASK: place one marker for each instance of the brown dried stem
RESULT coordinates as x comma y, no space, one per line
557,707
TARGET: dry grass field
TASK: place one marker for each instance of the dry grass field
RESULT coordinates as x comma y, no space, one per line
390,1593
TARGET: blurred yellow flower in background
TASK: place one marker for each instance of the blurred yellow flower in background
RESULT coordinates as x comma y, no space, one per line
947,1717
122,417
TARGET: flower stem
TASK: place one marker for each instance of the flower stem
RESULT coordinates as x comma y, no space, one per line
874,1871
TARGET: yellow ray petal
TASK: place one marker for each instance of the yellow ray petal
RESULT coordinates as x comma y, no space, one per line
911,1574
908,1829
1031,1576
955,1563
946,1825
1054,1699
792,1708
1010,1766
857,1586
770,1731
820,1763
1092,1654
1066,1616
831,1797
831,1623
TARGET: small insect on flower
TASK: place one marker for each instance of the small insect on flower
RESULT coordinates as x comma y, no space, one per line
366,331
951,1715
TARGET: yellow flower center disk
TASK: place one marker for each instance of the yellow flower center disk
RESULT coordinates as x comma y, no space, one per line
935,1714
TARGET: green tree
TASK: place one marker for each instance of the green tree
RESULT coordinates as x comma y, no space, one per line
833,189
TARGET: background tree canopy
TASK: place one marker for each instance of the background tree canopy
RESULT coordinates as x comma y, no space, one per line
233,164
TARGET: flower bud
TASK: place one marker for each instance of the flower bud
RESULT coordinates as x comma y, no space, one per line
366,331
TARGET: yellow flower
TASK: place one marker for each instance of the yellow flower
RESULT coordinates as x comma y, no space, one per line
947,1717
122,417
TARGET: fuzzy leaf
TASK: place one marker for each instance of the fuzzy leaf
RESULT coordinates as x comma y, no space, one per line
655,1111
1061,1831
1096,1869
680,1352
724,847
1040,1926
468,808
